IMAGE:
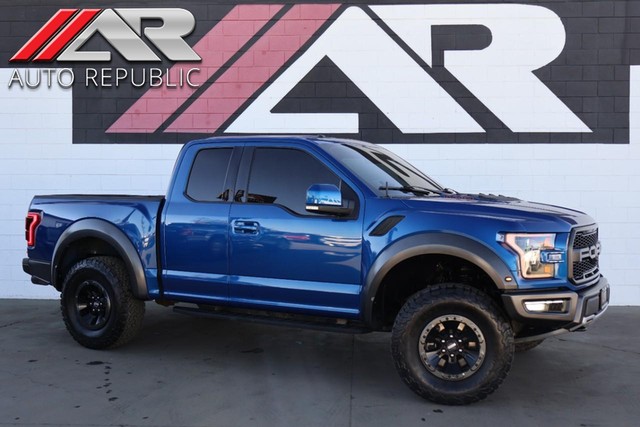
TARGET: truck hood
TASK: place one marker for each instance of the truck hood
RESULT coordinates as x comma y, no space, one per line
528,215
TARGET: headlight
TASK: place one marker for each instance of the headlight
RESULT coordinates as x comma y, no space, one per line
536,253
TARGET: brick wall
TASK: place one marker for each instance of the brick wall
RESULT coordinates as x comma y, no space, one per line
589,73
53,140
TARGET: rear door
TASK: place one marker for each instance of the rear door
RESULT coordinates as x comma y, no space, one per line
283,257
196,226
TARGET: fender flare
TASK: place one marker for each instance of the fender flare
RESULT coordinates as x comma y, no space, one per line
103,230
433,244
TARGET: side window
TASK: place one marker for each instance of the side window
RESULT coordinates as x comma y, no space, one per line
282,176
208,174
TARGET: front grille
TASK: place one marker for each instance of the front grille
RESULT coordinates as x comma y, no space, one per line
584,239
585,256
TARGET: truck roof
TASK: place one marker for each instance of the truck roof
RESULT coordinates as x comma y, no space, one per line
305,139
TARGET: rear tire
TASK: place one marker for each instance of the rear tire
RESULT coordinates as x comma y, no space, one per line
97,305
451,344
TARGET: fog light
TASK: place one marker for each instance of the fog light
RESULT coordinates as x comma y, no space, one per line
547,306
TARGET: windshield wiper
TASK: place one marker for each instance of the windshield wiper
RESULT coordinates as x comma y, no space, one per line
408,189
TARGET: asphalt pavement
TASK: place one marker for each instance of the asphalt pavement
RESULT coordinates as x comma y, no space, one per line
185,371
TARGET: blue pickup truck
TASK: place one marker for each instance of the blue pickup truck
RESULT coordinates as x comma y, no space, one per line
331,234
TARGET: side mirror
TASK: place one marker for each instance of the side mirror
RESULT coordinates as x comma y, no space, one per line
327,199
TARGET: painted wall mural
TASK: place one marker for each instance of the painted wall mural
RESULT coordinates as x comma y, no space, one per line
427,72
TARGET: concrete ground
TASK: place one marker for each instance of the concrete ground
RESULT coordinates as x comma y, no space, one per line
184,371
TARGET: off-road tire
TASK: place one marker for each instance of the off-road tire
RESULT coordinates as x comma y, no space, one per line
104,282
461,302
521,347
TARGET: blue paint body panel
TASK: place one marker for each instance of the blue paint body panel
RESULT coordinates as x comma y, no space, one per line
135,216
264,256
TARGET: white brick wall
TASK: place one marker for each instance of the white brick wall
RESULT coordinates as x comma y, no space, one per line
37,157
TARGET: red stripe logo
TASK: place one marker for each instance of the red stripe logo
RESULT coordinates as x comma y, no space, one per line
69,32
45,33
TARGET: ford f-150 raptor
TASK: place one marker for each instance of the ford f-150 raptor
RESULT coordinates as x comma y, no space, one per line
326,233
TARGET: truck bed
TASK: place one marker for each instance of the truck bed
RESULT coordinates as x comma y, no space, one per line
135,216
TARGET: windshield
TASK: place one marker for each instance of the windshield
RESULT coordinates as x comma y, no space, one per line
380,169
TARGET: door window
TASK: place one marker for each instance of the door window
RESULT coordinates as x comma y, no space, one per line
282,176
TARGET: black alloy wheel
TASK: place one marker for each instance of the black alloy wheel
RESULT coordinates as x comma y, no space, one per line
93,305
452,347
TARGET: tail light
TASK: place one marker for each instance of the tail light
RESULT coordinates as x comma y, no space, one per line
31,224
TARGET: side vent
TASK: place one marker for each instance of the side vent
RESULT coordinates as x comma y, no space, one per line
386,225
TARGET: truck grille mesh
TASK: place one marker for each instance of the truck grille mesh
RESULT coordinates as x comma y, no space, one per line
585,269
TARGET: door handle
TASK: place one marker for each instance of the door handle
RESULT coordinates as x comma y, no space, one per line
245,227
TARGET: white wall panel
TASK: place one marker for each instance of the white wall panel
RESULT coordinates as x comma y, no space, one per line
37,156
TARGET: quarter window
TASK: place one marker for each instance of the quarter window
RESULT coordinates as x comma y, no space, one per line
208,175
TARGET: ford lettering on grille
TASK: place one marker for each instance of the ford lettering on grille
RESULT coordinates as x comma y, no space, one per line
592,252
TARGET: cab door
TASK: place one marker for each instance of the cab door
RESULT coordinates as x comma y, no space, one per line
283,257
196,226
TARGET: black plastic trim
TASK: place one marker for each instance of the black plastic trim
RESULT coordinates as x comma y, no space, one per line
242,177
111,234
432,244
295,322
386,225
40,271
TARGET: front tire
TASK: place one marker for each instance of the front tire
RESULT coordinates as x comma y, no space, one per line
97,305
451,344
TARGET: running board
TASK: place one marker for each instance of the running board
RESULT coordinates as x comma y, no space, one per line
299,323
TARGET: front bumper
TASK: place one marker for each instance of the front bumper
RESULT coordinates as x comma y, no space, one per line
582,307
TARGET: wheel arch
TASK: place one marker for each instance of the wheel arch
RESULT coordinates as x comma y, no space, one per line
436,244
94,237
